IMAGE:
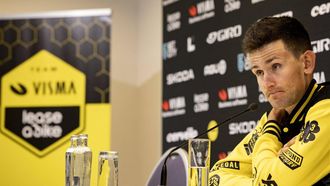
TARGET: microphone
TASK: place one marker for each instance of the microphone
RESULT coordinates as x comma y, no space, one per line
163,177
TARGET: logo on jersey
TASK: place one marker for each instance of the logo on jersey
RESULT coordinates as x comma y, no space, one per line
308,131
269,181
214,180
291,159
250,145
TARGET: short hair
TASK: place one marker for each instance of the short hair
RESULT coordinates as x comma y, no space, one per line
268,29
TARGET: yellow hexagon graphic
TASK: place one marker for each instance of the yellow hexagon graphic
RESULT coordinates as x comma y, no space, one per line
42,102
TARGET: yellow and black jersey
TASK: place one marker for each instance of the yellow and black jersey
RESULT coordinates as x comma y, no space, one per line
256,159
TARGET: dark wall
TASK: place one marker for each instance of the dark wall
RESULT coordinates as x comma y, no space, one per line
204,75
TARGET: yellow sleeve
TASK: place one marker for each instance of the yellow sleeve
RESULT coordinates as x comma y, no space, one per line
236,168
307,160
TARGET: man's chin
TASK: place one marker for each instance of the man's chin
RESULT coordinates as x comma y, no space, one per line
278,106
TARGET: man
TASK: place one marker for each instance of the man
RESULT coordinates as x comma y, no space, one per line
280,55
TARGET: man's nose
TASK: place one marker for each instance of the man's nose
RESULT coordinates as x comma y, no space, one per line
269,80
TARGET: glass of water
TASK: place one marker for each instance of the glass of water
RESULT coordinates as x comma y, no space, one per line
199,161
107,168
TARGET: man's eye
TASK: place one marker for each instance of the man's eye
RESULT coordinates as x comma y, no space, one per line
276,66
258,72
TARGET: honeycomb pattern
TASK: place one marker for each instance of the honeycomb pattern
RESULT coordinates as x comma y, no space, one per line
83,42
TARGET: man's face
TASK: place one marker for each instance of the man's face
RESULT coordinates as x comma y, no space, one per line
280,74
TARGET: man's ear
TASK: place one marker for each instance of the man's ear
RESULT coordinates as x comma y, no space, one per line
309,60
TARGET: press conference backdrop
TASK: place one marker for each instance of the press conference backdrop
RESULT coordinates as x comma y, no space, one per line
205,79
54,70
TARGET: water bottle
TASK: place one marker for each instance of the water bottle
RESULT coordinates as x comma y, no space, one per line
78,160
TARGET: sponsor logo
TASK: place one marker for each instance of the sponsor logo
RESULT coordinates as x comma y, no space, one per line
222,155
190,45
230,165
231,5
224,34
41,124
308,131
168,2
169,50
201,102
173,21
42,106
321,45
320,9
201,11
291,159
319,77
269,181
189,133
213,134
20,89
214,180
174,107
242,127
233,96
242,64
256,1
179,77
287,13
262,97
252,141
215,68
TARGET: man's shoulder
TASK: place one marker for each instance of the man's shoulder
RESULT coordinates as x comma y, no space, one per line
323,92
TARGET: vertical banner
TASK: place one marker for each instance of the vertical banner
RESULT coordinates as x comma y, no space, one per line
205,79
55,82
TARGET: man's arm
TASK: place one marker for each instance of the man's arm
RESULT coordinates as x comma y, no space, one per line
236,168
305,162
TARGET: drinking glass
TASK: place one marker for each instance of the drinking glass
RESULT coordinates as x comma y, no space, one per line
198,161
107,168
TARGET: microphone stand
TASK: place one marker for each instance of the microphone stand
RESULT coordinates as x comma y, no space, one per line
252,107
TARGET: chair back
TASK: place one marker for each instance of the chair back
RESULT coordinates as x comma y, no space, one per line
177,169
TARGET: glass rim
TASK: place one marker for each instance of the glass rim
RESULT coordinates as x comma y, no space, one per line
199,139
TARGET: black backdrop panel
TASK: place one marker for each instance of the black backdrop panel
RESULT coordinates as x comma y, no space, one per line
204,73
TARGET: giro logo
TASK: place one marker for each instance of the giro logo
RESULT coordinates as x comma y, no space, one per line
42,103
320,9
321,45
224,34
201,11
233,96
19,89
